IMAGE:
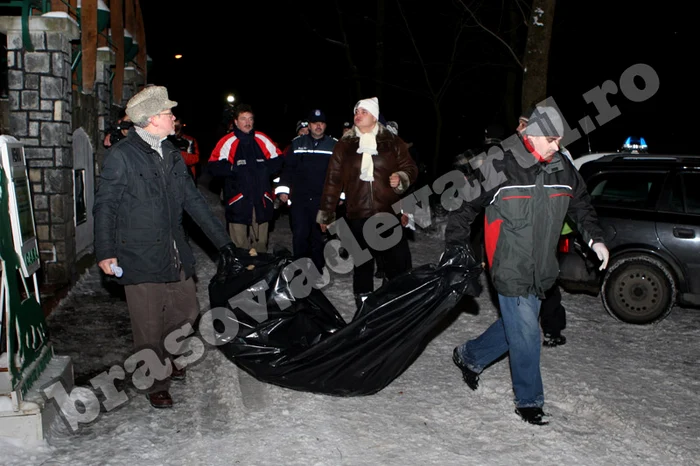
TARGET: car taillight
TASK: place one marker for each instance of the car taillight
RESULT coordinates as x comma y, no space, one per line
564,244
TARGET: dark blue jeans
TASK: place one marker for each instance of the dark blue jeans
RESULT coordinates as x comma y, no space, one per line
516,332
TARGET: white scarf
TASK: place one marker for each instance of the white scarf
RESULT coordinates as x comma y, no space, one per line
368,148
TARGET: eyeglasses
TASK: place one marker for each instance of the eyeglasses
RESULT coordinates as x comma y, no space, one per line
166,114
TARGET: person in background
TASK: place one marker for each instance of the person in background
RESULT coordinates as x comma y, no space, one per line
347,126
188,147
373,167
523,219
120,130
247,160
302,183
142,193
302,129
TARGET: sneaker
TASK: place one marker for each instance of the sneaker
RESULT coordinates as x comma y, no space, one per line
470,377
532,415
551,341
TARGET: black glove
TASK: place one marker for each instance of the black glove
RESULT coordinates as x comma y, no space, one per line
228,265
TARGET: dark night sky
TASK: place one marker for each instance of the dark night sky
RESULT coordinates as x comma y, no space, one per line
273,55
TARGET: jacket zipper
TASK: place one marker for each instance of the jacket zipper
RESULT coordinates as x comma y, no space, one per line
161,166
537,207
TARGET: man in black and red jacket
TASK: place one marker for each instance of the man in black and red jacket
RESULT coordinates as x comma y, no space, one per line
527,190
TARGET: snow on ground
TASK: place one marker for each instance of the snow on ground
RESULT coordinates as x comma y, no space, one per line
618,394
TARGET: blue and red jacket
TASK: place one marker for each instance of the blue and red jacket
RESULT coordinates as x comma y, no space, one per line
247,162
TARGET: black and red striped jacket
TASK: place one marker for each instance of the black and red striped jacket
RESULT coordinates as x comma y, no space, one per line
524,215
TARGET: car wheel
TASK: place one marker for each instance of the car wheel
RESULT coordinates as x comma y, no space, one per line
639,290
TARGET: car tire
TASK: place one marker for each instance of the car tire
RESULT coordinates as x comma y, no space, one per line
639,290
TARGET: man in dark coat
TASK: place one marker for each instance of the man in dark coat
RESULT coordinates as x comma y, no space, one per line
302,181
526,191
143,190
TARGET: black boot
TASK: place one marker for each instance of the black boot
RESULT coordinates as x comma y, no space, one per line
532,415
551,340
470,377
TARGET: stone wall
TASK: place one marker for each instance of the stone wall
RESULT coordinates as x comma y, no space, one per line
40,104
42,110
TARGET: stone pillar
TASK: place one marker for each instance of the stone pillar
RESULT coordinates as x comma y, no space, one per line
133,83
40,100
103,89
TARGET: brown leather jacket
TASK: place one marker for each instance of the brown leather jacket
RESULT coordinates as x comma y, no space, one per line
364,199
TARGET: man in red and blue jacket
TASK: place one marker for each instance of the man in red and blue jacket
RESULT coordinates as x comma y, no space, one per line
247,160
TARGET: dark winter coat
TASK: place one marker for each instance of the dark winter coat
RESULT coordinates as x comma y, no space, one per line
305,167
247,163
523,219
364,198
138,210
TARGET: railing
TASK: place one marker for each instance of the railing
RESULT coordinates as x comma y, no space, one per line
28,7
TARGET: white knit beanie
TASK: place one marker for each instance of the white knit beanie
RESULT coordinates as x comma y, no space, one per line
371,105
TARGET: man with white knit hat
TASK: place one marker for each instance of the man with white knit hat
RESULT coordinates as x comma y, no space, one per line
373,167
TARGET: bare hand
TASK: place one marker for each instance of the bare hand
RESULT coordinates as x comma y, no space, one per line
104,265
394,180
324,227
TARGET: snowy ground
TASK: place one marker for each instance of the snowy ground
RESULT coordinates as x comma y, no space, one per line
618,394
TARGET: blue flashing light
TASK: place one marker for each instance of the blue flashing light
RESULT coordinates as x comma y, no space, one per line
635,145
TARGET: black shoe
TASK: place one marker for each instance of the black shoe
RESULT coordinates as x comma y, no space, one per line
160,399
178,374
553,340
470,377
532,415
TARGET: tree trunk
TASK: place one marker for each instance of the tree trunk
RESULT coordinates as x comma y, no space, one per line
436,167
536,60
379,49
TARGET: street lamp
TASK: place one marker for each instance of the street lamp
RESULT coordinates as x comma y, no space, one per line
230,98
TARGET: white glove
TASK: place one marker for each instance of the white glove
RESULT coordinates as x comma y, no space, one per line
602,253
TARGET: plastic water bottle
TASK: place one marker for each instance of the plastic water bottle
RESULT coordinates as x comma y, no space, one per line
118,272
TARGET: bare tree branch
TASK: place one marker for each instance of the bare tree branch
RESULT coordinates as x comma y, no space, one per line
515,56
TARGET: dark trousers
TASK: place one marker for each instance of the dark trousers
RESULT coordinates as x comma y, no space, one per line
307,238
155,310
552,313
396,259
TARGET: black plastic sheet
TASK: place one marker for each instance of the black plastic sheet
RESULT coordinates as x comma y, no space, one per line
303,343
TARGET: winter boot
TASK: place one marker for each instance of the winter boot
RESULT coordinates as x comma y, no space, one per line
532,415
470,377
552,340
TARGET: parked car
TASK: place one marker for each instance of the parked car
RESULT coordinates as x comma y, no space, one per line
649,208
